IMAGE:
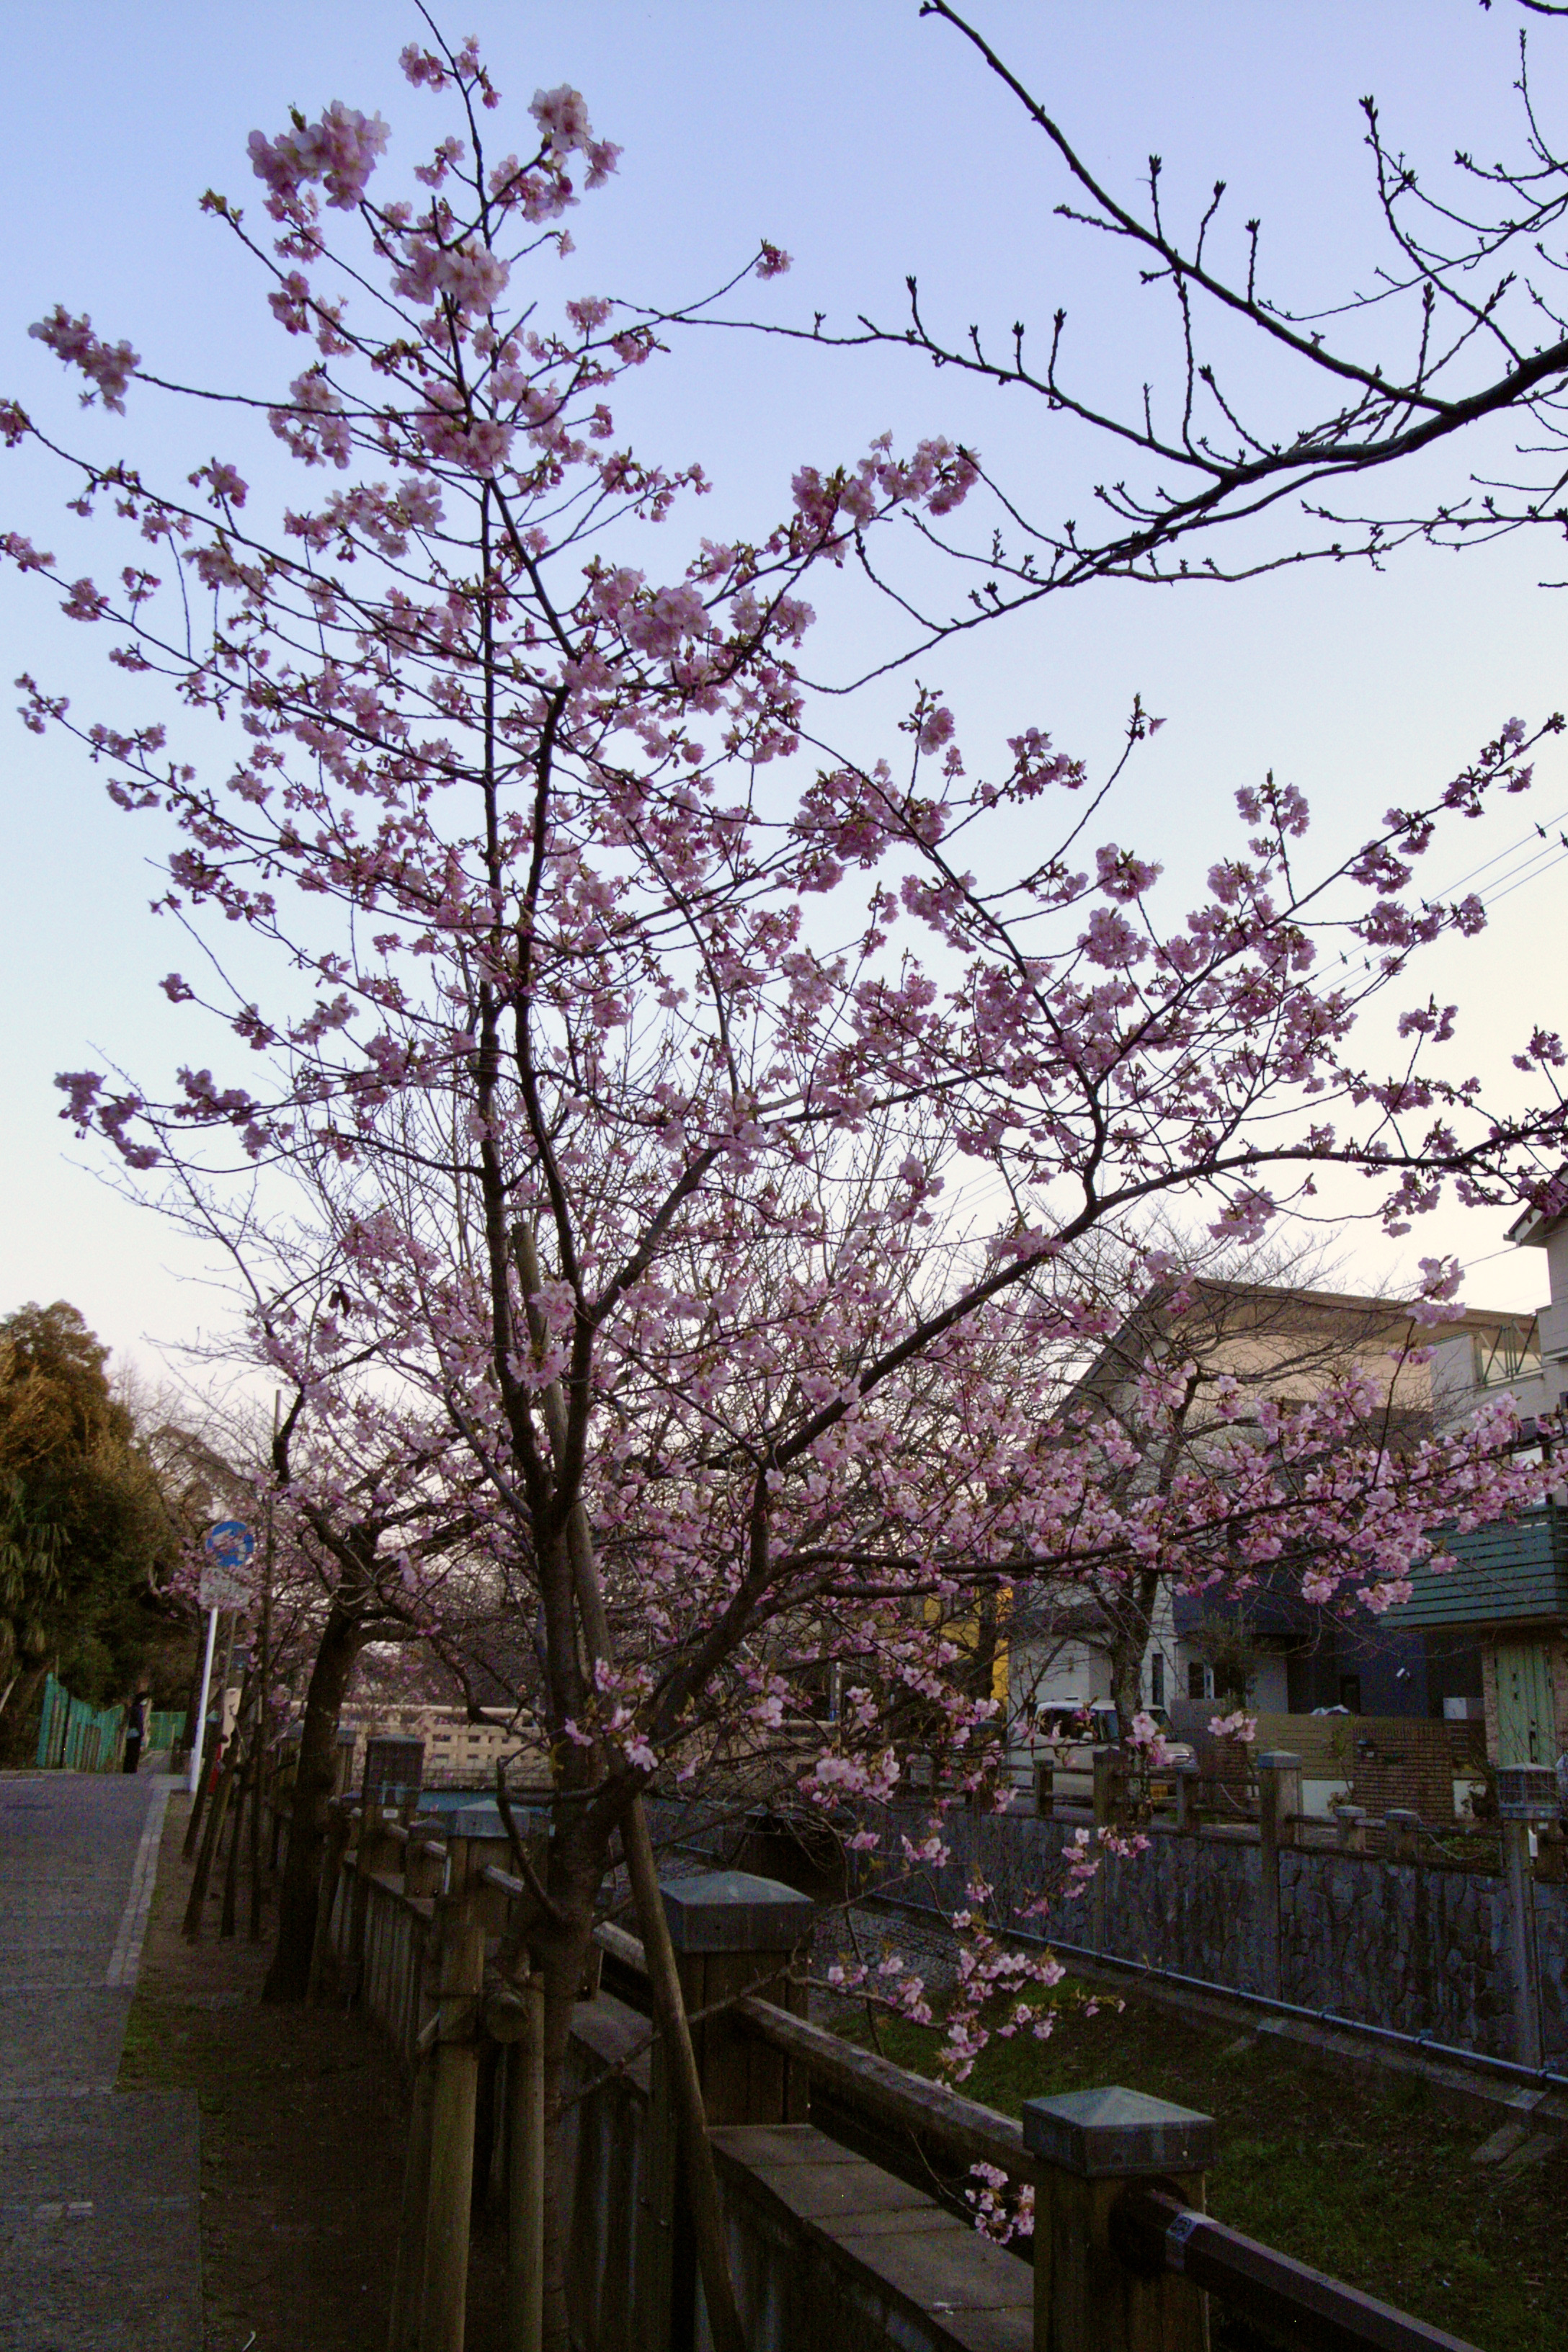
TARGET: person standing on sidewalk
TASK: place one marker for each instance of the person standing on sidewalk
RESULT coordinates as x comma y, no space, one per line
135,1731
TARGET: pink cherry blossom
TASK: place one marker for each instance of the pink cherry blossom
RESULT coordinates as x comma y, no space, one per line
109,367
340,150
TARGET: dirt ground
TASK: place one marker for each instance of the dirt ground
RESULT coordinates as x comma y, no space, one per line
304,2121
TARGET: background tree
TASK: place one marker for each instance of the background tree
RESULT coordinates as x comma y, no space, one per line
89,1536
1229,1339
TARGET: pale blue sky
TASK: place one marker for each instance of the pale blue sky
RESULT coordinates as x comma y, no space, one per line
869,144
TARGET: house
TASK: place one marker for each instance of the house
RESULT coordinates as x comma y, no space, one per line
1501,1606
1282,1654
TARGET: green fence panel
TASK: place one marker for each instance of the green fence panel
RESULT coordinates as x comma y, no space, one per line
52,1724
76,1737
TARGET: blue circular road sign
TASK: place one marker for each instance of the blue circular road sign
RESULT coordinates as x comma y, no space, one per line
230,1543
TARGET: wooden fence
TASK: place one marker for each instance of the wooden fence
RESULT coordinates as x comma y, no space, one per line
843,2177
76,1737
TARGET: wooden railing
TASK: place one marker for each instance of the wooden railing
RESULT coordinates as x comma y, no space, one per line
843,2176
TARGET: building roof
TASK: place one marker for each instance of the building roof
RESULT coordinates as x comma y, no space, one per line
1353,1320
1535,1226
1324,1310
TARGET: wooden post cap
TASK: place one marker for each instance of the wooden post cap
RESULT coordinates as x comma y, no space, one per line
1118,2134
734,1911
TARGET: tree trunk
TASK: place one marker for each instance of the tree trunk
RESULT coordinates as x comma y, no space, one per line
343,1638
1126,1684
194,1695
19,1722
1133,1617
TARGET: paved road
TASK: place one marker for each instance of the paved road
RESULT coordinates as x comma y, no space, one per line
100,2227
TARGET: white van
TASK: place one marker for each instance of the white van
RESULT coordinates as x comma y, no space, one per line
1064,1733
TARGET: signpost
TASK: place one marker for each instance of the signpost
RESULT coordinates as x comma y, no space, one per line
229,1546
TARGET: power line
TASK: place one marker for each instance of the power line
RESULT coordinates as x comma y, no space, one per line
1533,876
1487,864
1536,853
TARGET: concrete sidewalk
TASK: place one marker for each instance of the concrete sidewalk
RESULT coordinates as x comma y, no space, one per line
99,2221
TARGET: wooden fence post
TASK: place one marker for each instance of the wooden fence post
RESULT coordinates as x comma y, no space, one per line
423,1869
343,1762
408,2279
455,2098
1109,1787
1109,1809
729,1929
1091,2146
1403,1828
1352,1820
1278,1805
376,1852
394,1771
1189,1813
526,2177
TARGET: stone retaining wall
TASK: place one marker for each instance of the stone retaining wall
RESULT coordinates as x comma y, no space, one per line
1421,1948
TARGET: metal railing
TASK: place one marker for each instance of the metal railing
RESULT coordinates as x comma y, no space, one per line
1328,2020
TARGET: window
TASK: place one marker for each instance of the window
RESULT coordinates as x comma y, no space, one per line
1509,1354
1350,1693
1157,1679
1197,1679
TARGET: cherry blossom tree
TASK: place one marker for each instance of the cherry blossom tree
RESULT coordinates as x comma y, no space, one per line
367,1548
624,1031
368,1537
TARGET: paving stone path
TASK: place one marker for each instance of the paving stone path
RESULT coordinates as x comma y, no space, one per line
100,2219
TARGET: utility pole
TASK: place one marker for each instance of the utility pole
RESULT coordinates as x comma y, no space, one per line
263,1672
198,1737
